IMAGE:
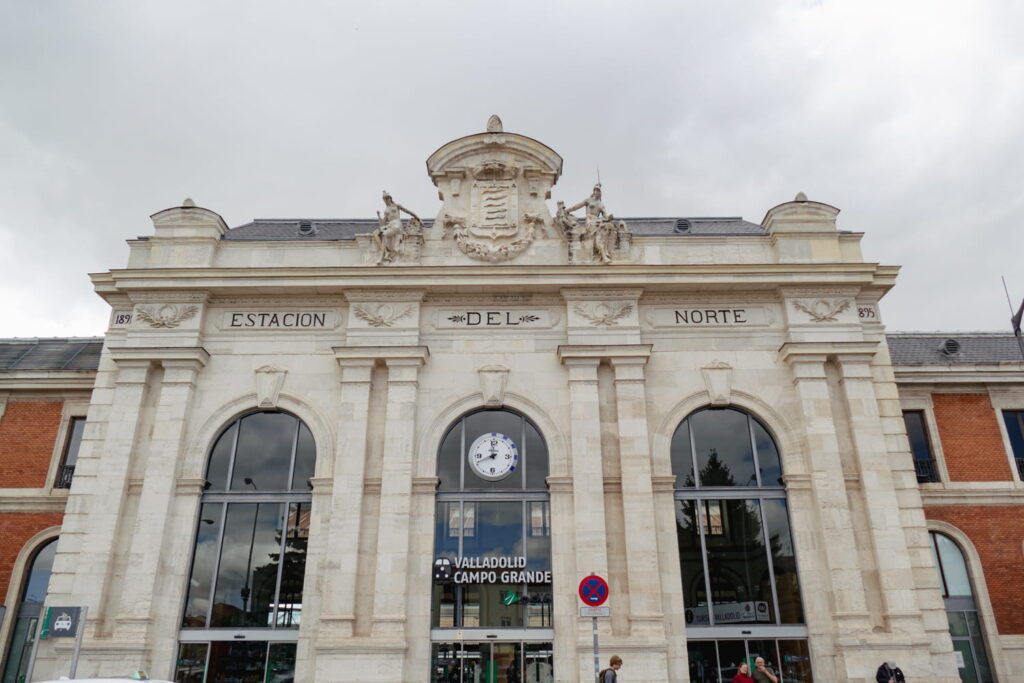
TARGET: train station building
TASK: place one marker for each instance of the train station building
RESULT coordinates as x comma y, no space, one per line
391,449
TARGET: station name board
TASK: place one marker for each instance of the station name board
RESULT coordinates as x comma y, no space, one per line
488,570
265,320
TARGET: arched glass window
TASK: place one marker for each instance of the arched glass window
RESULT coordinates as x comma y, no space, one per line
492,550
740,586
29,606
249,557
961,609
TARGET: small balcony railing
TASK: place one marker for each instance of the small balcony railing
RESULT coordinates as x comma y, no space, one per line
926,471
64,477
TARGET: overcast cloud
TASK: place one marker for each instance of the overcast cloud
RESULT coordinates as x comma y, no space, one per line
908,116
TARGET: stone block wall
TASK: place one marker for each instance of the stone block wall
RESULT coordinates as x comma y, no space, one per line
969,430
27,433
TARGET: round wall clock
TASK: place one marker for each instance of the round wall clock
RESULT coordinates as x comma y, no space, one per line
493,456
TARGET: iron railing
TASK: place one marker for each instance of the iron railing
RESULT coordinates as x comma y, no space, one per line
64,477
926,471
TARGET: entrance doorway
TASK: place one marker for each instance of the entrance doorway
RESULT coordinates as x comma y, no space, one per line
492,662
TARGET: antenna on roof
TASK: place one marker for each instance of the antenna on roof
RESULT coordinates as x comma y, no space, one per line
1016,316
598,173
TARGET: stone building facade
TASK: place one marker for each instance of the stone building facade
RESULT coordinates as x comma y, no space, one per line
391,450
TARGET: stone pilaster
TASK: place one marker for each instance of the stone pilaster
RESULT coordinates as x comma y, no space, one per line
840,578
97,502
585,455
163,452
888,542
340,561
392,572
645,609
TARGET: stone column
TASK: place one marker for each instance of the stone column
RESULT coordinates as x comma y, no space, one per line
146,553
340,561
842,578
645,610
882,507
390,586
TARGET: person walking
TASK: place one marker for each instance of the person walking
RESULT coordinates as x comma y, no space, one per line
611,674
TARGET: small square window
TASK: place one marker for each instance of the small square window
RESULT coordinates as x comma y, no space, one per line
920,447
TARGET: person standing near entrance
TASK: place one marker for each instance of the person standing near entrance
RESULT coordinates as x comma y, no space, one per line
743,674
611,674
763,673
889,673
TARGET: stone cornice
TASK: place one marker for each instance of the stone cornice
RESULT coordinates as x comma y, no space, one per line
47,380
33,500
195,354
394,353
969,497
813,351
350,279
619,352
980,373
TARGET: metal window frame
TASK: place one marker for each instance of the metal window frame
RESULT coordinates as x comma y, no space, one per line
462,496
699,493
284,499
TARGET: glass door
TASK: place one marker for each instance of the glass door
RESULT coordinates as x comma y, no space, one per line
492,662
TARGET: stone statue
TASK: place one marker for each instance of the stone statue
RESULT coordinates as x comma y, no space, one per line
390,234
601,231
565,223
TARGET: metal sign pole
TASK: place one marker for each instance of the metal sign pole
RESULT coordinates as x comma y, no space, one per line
78,640
35,643
597,656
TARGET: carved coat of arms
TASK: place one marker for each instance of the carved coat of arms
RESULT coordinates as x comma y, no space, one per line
494,209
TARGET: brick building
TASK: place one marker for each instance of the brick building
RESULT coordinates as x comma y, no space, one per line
963,400
45,386
390,450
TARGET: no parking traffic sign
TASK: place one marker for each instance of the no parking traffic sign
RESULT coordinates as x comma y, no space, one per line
593,591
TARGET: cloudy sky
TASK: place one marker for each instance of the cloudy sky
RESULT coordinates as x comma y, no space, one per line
907,115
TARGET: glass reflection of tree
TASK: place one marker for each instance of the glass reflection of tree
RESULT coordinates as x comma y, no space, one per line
733,536
289,598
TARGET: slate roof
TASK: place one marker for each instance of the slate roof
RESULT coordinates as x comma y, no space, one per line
74,353
917,348
327,230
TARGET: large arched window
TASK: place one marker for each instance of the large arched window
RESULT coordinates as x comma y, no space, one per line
37,580
740,585
961,610
249,557
491,608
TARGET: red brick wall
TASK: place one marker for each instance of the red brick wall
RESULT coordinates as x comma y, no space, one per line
15,529
27,434
971,442
998,535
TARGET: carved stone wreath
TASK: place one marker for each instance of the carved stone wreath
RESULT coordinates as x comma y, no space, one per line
505,252
602,314
383,315
823,310
168,315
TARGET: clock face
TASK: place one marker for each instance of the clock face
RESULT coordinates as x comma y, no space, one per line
493,456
